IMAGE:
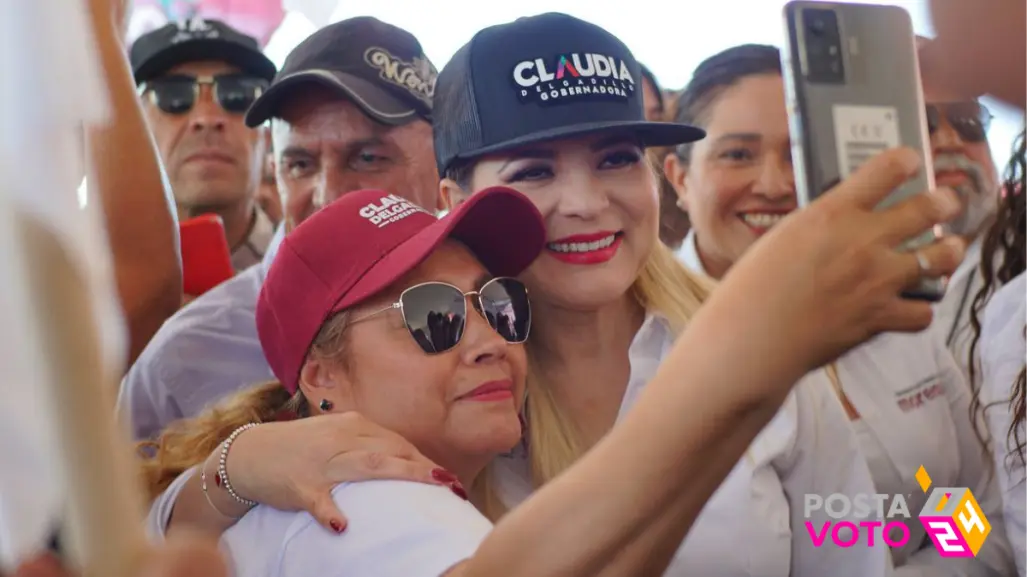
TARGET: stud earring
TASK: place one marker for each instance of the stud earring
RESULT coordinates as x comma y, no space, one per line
325,405
681,203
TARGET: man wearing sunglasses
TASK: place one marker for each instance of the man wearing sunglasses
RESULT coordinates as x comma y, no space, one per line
962,161
197,78
350,110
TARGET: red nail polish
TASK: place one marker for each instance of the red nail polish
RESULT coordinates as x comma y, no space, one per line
336,526
458,489
443,476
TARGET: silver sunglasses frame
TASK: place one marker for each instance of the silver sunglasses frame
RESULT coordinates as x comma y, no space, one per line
480,309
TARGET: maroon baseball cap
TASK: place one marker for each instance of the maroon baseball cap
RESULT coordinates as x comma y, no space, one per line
357,246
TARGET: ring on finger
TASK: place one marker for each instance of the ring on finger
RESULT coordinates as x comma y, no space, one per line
922,262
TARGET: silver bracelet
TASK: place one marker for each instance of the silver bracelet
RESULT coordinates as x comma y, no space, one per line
221,477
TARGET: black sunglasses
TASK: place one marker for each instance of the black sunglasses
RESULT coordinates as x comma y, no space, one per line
970,119
177,94
435,313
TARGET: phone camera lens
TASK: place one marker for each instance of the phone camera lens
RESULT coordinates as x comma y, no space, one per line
817,26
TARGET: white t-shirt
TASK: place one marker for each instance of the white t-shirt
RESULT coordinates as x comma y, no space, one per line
1003,356
396,529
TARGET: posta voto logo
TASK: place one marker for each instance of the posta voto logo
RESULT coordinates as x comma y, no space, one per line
952,517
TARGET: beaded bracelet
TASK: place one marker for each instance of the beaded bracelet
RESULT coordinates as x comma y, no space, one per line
206,494
221,477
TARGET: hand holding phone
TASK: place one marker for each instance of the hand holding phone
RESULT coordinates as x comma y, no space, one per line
853,84
206,258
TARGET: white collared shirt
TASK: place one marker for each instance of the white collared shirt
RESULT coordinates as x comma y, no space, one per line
952,314
913,403
688,253
1002,358
914,409
753,525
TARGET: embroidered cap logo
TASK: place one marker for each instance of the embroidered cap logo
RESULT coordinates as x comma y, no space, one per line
192,29
572,78
953,519
417,77
388,210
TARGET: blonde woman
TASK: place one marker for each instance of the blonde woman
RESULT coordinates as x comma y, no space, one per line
609,302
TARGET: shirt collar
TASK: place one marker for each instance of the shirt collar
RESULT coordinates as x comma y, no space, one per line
971,259
688,254
653,333
272,250
263,231
253,249
651,344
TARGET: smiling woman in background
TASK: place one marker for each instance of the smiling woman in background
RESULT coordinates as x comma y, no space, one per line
905,396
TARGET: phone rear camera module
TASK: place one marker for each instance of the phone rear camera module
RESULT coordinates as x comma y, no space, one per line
822,45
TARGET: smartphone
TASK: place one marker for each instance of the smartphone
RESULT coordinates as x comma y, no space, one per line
852,80
206,259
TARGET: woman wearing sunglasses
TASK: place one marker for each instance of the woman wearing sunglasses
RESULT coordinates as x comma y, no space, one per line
609,303
905,395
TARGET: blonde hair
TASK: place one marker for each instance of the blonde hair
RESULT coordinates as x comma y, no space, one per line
664,287
189,442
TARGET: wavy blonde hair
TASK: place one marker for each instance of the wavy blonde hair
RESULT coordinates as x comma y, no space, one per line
189,442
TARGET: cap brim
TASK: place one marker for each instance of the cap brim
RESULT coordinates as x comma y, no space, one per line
648,133
246,59
372,99
499,225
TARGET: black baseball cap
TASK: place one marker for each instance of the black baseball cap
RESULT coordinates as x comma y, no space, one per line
154,53
378,66
541,78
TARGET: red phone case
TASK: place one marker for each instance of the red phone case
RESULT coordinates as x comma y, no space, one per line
206,259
